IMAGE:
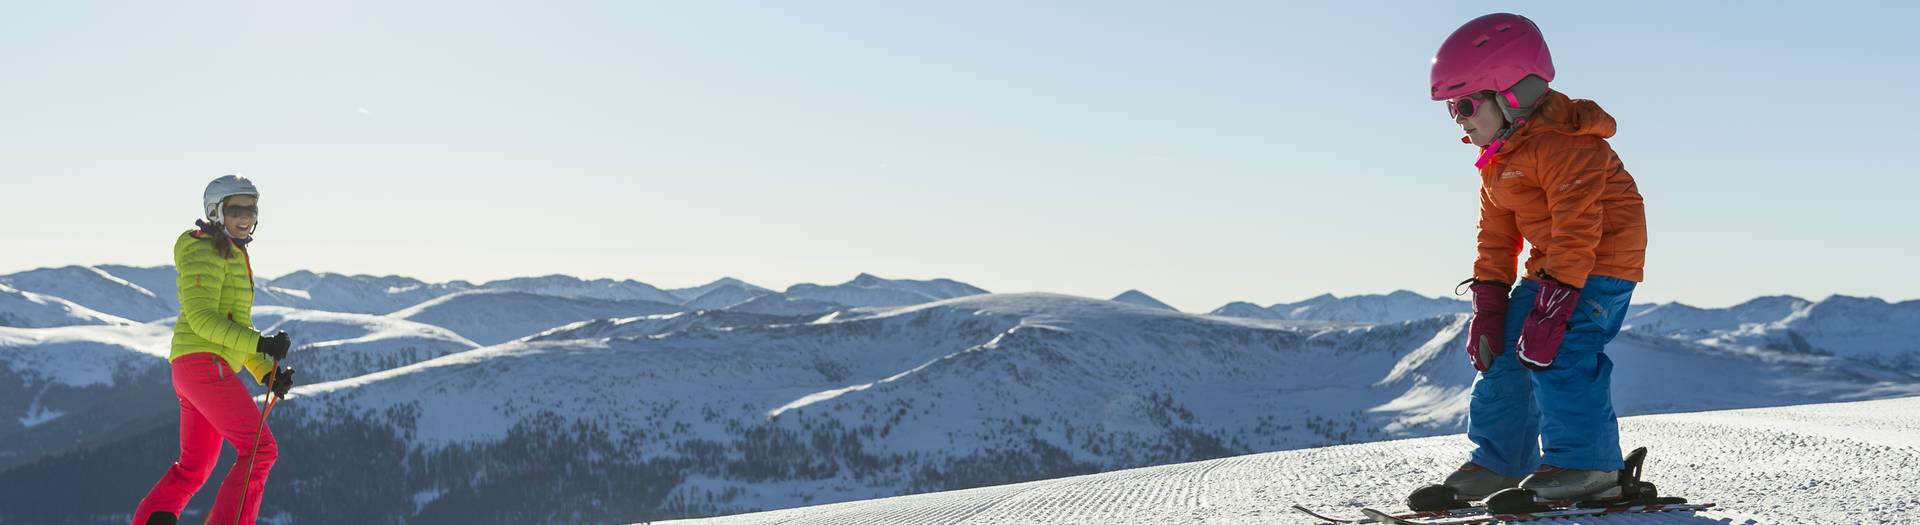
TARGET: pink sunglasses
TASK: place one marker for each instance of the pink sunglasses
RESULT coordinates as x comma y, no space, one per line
1465,106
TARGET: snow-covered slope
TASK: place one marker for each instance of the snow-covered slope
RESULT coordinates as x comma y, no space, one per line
1867,329
62,385
1391,308
653,325
335,345
157,279
96,289
1139,298
21,309
1861,328
869,290
567,286
1838,463
784,305
82,355
495,316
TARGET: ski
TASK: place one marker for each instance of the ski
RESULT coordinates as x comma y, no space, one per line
1375,516
1455,513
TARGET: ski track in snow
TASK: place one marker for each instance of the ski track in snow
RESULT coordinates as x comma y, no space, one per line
1856,462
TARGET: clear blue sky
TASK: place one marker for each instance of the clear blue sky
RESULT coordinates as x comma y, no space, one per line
1200,151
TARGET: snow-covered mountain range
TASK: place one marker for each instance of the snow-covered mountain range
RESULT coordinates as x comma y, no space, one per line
560,399
565,286
868,290
1398,306
724,286
98,290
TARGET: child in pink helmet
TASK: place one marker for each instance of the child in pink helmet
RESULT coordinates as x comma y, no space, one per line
1541,416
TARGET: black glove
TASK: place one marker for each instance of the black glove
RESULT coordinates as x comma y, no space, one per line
282,382
275,346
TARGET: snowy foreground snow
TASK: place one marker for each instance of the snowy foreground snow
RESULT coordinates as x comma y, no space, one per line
1853,462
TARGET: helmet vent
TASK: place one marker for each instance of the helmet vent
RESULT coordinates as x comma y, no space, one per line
1503,29
1483,41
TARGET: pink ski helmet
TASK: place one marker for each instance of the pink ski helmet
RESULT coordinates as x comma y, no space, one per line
1490,53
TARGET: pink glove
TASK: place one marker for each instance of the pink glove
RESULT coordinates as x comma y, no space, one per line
1547,324
1486,334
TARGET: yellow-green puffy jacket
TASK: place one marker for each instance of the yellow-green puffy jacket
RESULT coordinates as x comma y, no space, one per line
216,305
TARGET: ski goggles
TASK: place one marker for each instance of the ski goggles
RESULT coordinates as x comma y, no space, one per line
240,211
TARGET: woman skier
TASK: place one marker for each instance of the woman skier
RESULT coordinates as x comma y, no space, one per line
1542,408
213,341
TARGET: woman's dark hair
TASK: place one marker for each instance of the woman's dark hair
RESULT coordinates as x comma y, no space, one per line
222,243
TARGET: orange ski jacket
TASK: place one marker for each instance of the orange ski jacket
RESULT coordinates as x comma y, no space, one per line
1558,185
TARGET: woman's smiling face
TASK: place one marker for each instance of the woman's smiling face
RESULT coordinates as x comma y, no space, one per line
239,214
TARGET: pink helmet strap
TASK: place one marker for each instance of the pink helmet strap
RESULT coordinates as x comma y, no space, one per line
1493,148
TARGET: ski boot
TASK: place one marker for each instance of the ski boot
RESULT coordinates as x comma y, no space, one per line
1554,487
1465,485
1552,483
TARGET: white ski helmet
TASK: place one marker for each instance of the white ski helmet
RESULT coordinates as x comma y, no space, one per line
221,188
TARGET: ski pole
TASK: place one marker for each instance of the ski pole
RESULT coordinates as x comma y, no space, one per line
246,479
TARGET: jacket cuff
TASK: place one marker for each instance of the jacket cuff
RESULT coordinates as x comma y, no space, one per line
260,365
1576,280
